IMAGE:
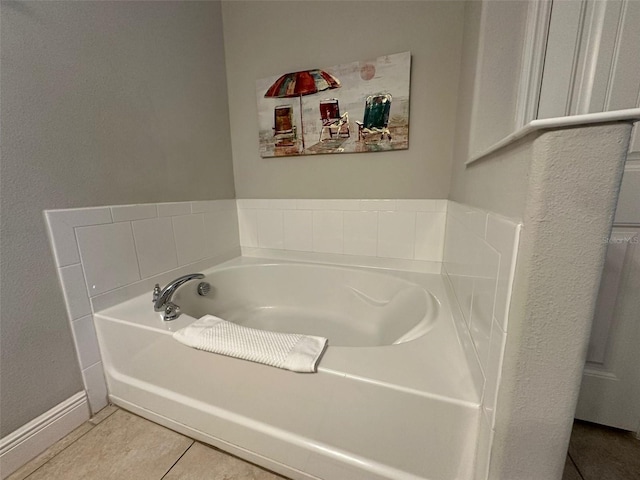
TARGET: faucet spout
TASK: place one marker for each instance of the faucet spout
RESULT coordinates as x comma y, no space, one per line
162,297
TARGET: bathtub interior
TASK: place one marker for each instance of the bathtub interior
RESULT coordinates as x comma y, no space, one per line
386,410
349,307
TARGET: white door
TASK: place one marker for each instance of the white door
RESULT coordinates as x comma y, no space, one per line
610,392
592,64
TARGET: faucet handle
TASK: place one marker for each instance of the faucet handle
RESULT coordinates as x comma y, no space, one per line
171,312
156,292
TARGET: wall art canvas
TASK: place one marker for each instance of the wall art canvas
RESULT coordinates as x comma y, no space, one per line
361,106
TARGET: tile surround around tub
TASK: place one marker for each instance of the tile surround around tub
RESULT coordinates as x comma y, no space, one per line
113,251
480,253
108,254
296,224
75,291
155,245
188,232
86,341
395,228
147,243
62,224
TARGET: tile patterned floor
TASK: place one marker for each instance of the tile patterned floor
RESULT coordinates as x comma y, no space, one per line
116,444
602,453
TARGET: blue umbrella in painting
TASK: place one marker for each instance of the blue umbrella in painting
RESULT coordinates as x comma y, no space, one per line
298,84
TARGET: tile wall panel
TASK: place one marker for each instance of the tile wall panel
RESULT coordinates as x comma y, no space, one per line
62,224
108,256
75,291
385,228
478,250
270,228
298,230
220,231
104,250
328,231
396,234
159,238
480,253
361,233
155,245
188,232
124,213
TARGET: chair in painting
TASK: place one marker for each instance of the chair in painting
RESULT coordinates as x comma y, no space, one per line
332,121
376,117
284,130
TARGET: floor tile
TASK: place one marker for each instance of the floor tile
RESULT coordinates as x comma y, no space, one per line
49,453
602,453
570,471
202,462
103,414
122,446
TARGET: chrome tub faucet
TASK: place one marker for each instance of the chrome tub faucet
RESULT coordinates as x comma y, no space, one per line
162,297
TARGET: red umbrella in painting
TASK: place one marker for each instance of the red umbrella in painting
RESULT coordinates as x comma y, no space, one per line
298,84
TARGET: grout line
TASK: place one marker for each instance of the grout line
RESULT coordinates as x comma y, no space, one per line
575,465
377,233
135,250
281,210
155,275
313,238
103,419
415,233
257,224
242,460
179,458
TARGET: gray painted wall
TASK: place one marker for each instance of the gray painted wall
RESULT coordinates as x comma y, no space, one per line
102,103
264,38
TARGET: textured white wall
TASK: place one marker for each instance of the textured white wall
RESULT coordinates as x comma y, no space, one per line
571,196
499,183
503,26
264,38
102,103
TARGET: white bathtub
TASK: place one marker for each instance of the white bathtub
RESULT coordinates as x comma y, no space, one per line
393,397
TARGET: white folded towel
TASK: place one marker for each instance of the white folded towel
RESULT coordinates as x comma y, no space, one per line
291,351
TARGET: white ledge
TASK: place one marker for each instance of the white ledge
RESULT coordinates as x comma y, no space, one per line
629,115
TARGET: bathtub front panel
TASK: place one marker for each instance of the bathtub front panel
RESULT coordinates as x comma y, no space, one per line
317,423
397,411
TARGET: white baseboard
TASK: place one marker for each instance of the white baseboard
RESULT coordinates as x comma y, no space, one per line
31,439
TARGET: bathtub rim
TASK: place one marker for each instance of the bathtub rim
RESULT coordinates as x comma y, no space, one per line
369,364
121,294
427,321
